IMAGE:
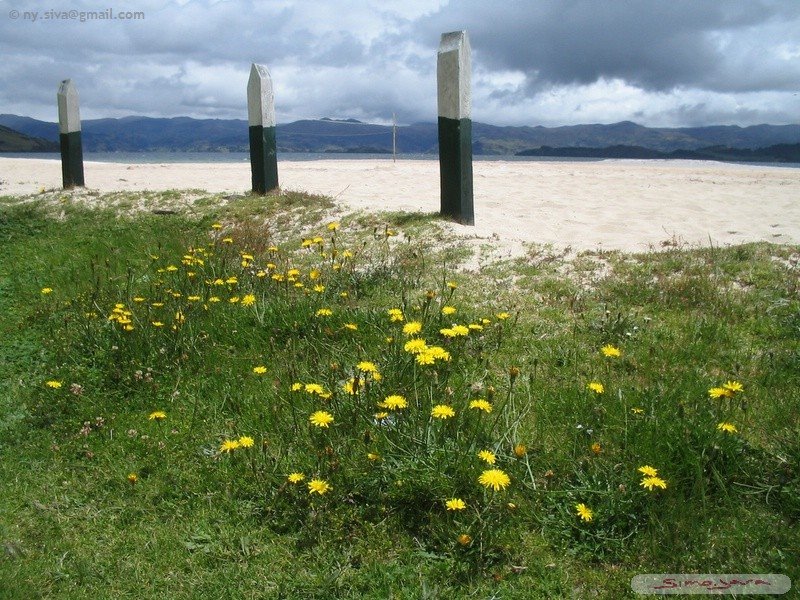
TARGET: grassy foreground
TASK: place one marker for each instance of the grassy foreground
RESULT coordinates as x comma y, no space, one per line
250,398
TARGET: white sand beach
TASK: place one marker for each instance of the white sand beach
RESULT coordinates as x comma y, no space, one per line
602,205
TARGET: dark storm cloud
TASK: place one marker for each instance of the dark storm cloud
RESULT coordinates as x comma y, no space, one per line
652,44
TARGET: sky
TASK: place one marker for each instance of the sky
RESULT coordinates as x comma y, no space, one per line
660,63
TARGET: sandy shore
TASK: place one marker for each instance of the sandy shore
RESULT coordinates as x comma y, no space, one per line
620,204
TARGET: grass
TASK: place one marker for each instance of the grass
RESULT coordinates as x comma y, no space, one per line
209,515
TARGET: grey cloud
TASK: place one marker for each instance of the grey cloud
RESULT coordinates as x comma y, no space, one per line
651,44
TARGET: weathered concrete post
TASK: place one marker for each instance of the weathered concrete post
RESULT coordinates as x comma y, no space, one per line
261,118
69,129
453,71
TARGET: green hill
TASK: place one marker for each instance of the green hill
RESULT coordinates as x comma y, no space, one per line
14,141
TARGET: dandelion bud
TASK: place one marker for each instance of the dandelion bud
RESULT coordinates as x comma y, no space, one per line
520,450
513,372
464,539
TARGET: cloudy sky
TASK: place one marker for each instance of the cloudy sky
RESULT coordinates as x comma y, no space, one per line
535,62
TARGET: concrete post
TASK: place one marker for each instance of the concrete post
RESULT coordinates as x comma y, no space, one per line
69,130
455,127
261,118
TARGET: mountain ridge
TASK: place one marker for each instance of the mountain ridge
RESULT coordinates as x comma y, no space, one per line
137,133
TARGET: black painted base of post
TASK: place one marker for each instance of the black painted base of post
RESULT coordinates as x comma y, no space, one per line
263,159
71,159
455,169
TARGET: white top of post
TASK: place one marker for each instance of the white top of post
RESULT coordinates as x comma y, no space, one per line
69,118
260,97
454,75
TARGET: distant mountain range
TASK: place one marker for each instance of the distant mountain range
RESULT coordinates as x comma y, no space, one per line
184,134
781,153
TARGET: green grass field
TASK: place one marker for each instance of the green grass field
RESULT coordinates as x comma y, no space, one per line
242,397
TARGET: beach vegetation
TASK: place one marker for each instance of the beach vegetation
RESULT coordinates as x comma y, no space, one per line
373,417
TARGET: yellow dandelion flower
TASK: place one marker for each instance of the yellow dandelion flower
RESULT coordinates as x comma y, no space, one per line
229,446
596,387
596,448
53,384
459,330
448,332
452,285
47,290
351,326
425,358
246,441
394,402
295,477
502,316
464,539
157,324
455,504
449,310
648,471
727,427
227,240
412,328
333,226
373,456
321,418
415,346
353,386
637,411
438,353
367,367
488,456
720,392
234,299
395,315
248,300
650,483
379,416
319,288
610,351
133,478
260,370
216,226
319,486
481,404
442,411
733,386
158,415
323,312
495,479
584,512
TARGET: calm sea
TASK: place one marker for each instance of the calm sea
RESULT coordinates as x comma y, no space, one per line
244,157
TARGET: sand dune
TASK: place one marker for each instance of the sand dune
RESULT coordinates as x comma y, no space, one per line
616,204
